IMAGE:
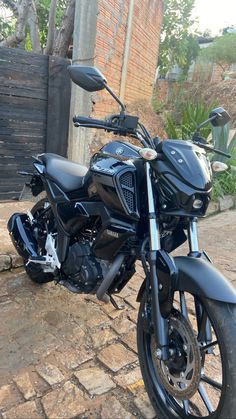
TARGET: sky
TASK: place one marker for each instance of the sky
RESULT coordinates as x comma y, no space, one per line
215,14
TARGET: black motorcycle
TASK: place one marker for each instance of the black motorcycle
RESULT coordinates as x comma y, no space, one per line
140,203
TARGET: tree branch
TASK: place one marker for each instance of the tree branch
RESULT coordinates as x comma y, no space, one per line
19,35
34,27
11,4
64,35
51,27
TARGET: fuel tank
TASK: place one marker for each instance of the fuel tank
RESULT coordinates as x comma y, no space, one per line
116,171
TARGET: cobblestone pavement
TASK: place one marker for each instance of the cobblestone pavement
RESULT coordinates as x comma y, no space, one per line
64,355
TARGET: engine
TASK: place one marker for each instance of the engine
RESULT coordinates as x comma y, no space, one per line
83,269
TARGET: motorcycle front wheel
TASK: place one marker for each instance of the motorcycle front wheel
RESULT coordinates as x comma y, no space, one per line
200,379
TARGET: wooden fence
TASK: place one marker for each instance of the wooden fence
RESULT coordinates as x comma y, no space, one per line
34,113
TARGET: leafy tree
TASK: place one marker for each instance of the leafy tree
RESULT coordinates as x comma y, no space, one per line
178,45
222,51
43,25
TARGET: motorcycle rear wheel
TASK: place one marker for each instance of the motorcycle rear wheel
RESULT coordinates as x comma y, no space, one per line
209,401
35,271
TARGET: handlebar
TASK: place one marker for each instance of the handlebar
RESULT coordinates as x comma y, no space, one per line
83,121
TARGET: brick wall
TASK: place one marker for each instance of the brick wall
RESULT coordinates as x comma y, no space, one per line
143,52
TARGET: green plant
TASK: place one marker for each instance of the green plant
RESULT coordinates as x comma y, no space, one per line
222,141
193,114
224,184
178,42
222,51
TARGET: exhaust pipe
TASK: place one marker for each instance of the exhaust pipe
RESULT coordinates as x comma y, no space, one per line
22,237
106,283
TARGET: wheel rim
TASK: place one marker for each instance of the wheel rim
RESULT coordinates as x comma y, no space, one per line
205,403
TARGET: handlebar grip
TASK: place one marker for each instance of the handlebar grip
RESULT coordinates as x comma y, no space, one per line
84,120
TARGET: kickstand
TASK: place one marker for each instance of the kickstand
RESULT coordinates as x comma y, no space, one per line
114,303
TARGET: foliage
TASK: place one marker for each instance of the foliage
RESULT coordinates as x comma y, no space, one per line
39,25
222,141
222,51
43,7
7,23
178,45
224,184
193,114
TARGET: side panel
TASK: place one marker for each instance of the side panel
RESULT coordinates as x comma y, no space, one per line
116,184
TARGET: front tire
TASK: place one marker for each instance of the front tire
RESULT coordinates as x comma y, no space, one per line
209,401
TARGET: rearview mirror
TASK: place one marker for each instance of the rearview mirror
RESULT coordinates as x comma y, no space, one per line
89,78
219,117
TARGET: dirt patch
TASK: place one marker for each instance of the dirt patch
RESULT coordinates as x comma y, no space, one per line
147,116
220,94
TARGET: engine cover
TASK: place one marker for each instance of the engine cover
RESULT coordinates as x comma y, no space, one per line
82,268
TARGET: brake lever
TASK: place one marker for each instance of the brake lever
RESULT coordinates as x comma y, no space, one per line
209,148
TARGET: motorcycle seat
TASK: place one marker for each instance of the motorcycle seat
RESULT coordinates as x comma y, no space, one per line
66,174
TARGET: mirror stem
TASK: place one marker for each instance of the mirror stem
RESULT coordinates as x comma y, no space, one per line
116,98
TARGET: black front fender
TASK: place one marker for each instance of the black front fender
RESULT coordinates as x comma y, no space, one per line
199,277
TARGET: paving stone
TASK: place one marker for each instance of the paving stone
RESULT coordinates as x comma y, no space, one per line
112,312
96,318
50,373
112,408
24,411
72,358
77,335
102,337
226,203
122,326
116,356
131,340
5,262
133,315
131,380
9,397
16,261
143,403
213,207
66,402
95,381
48,344
40,386
131,300
24,384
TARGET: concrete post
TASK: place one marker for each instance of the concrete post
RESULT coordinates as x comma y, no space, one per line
126,50
84,37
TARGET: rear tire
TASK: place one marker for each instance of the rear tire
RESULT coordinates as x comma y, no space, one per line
34,271
223,321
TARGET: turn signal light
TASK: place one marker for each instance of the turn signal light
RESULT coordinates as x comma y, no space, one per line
148,153
218,166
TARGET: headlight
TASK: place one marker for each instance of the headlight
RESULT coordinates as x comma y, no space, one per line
197,204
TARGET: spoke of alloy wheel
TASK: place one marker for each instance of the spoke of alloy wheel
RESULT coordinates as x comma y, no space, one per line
209,345
186,406
185,402
183,304
212,383
205,398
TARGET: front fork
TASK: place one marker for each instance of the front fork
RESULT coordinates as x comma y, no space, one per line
160,323
161,329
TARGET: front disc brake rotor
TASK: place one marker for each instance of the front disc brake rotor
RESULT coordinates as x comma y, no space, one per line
181,373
